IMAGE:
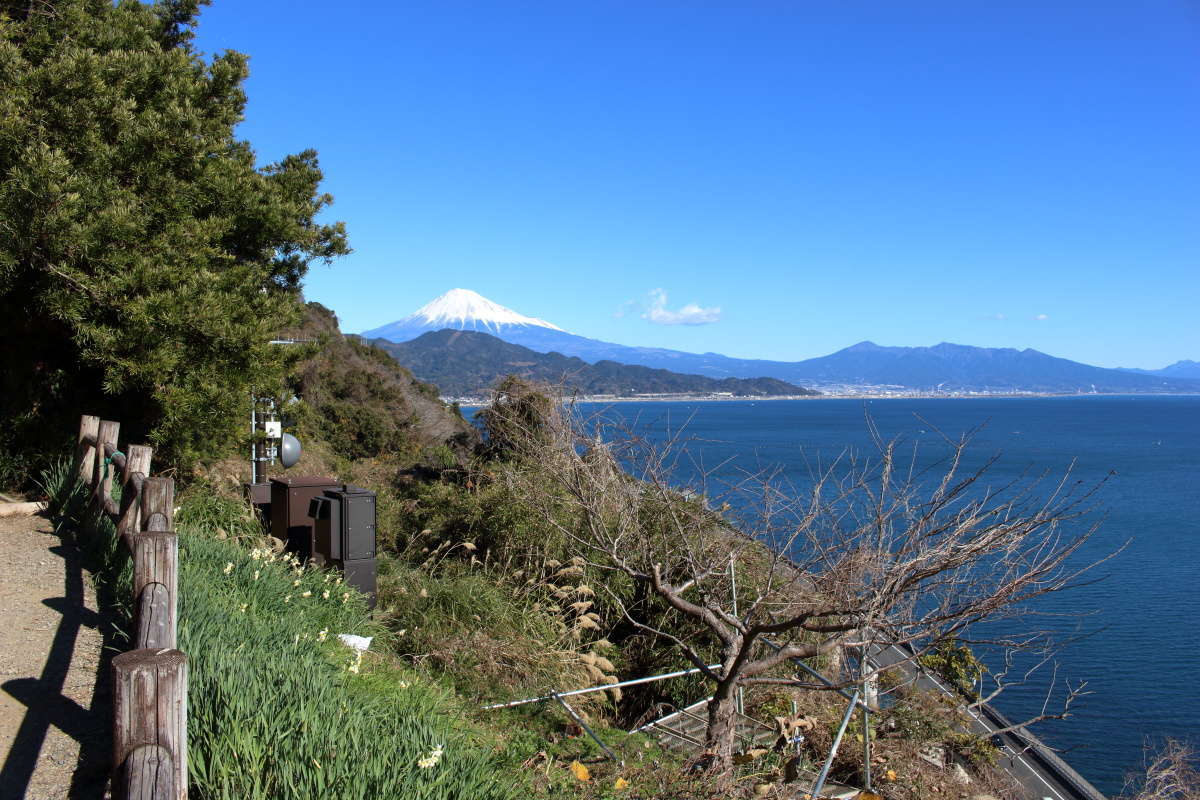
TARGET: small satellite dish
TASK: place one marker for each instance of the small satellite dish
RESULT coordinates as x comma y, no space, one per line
289,450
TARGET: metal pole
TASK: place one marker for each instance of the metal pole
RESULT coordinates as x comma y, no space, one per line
797,738
866,720
260,444
740,699
837,740
600,688
253,425
590,732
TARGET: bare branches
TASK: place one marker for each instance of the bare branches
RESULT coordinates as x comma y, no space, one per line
1172,775
881,551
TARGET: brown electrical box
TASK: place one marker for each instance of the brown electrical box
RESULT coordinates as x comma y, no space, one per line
290,521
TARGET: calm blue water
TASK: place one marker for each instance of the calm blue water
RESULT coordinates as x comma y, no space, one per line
1140,657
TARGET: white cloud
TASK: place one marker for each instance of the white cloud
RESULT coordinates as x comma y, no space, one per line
690,314
998,316
1041,317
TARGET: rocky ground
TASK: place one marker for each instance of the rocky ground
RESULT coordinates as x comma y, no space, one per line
55,697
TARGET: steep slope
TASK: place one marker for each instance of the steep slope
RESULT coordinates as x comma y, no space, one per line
465,363
366,404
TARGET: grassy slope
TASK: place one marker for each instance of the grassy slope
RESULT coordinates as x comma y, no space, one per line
277,706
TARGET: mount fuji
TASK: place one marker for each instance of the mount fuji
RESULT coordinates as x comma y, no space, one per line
944,367
459,309
465,310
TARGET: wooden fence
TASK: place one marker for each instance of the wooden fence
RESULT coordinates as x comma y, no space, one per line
149,730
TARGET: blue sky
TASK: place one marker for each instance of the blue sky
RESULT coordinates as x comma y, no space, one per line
790,177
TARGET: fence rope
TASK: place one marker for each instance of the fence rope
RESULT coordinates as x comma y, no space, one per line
108,460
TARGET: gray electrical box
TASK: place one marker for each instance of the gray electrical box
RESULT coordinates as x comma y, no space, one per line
345,523
345,534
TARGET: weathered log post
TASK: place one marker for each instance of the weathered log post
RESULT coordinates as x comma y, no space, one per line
85,456
156,617
137,467
149,709
155,586
158,504
102,476
148,774
116,458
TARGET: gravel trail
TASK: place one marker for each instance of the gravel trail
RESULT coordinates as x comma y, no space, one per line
55,694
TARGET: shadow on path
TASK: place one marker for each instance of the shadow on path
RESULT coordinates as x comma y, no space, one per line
47,705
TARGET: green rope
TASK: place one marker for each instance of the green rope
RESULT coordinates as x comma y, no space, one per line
108,460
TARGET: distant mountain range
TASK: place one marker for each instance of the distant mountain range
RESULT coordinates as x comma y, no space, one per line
1180,369
944,367
467,363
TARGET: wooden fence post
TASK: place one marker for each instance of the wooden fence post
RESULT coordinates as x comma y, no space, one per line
102,478
149,708
156,618
89,428
155,586
158,504
148,774
137,464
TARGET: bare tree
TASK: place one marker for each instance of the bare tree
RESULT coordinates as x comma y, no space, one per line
873,554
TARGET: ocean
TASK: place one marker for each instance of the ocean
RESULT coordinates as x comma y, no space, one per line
1136,631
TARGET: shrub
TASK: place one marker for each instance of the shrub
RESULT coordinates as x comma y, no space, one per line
956,663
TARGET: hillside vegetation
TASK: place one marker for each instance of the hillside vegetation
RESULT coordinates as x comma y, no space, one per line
483,598
364,404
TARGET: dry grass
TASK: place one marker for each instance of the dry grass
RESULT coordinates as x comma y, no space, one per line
1172,774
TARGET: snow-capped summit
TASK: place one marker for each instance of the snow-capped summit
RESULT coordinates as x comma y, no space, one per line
461,309
468,310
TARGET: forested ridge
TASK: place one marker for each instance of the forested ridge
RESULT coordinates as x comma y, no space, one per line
470,363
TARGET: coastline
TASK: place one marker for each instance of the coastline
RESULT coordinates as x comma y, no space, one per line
475,402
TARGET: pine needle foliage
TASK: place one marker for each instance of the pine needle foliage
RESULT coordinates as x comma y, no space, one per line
146,260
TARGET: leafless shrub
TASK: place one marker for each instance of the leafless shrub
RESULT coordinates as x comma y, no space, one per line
1171,775
876,555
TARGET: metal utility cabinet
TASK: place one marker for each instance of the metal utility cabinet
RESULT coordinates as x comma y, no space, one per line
290,521
345,534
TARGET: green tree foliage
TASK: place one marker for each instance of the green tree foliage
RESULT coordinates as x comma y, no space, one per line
956,662
145,260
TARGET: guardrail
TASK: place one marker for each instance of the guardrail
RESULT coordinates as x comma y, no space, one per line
149,730
1039,751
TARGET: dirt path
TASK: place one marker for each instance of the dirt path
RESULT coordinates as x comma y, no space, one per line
55,716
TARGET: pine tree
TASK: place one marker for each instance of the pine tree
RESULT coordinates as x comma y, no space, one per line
145,260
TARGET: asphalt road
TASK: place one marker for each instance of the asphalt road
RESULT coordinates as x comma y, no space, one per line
1038,769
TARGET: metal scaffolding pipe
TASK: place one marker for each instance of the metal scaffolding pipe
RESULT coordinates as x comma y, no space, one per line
587,728
837,741
600,688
